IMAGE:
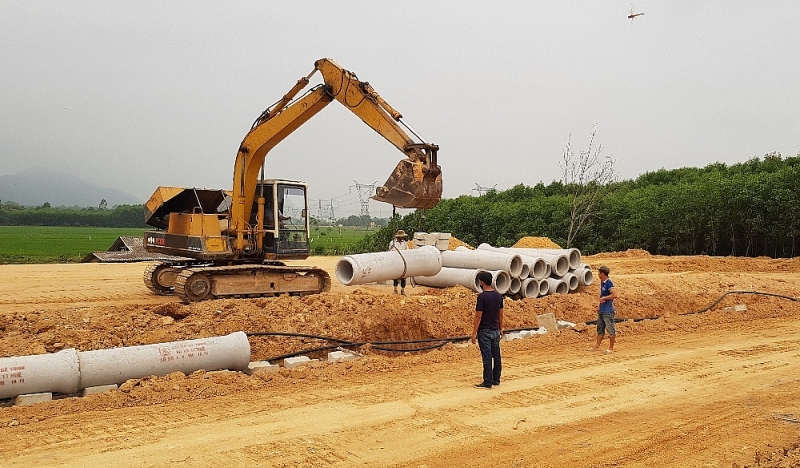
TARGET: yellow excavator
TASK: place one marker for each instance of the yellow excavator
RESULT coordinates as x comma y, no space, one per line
232,243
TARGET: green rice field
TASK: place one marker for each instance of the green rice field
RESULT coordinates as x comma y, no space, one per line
59,244
56,244
334,240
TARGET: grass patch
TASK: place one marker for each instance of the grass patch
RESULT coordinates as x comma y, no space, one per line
335,240
56,244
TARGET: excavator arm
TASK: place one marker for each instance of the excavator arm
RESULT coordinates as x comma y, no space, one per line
416,182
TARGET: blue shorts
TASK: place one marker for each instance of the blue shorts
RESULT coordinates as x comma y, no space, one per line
606,321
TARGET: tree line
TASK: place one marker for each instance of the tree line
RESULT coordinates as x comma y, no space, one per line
127,216
745,209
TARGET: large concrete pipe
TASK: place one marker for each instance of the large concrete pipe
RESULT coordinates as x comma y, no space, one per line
558,262
572,281
557,286
57,372
573,254
483,259
537,267
525,272
544,287
394,264
448,277
514,286
529,288
585,276
116,365
501,281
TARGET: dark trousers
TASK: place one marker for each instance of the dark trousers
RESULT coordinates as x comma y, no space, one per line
489,344
402,282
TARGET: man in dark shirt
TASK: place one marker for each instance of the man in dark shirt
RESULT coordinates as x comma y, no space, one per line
487,329
606,311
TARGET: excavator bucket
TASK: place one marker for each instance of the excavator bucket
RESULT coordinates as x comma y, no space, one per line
412,184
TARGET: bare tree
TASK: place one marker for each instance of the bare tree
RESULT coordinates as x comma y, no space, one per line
585,178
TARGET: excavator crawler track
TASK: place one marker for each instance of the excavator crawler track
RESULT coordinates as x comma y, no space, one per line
151,279
216,282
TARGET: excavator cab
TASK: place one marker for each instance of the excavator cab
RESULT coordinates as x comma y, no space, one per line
287,203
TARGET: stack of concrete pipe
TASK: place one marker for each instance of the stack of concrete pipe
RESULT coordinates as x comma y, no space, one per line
516,272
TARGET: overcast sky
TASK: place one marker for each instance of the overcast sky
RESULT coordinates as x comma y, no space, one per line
135,95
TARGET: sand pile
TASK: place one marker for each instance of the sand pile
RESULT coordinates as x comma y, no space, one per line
455,242
529,242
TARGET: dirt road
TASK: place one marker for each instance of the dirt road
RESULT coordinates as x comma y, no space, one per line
720,388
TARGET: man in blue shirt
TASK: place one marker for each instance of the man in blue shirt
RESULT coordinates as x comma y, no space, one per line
605,312
487,329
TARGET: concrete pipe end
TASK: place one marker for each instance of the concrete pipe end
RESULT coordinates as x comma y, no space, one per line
345,271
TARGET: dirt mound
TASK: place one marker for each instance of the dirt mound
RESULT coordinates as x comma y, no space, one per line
455,242
630,253
536,243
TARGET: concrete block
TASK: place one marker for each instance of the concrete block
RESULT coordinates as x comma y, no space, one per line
548,321
97,389
739,308
562,324
512,336
292,362
335,356
32,398
259,367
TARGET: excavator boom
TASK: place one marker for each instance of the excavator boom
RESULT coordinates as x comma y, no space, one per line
416,181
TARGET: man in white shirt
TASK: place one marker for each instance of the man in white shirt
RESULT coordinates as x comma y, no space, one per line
399,243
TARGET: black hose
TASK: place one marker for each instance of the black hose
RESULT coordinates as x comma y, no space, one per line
382,345
741,292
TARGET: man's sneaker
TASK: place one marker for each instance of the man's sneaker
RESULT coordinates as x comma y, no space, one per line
395,291
403,292
482,385
496,383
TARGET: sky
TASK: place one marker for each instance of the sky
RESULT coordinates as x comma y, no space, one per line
135,95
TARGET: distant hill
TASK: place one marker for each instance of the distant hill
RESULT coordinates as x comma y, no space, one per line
35,186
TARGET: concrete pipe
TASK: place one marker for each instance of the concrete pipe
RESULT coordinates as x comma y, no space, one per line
529,288
585,276
573,255
115,366
501,281
558,262
394,264
526,271
557,286
57,372
544,287
537,267
514,286
572,281
548,270
449,277
483,259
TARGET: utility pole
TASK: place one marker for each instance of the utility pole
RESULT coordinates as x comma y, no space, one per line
482,190
364,192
